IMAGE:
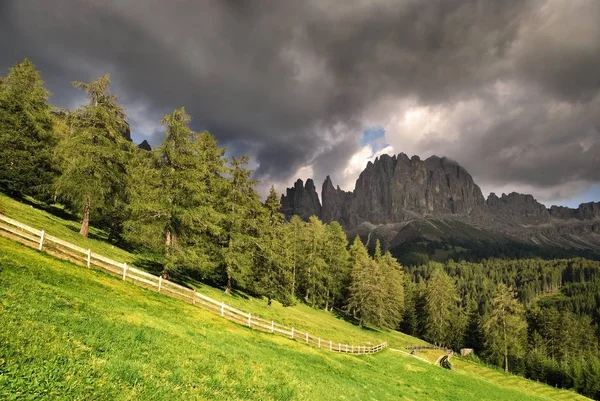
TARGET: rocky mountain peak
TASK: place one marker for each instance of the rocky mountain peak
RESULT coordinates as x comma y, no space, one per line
301,200
517,208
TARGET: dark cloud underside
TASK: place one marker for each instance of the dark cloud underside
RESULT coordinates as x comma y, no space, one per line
294,83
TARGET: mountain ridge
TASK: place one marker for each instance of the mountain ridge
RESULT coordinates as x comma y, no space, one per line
397,191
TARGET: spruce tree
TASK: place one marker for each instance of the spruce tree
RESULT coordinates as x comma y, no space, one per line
91,154
27,138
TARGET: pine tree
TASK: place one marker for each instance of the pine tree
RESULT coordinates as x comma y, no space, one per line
91,154
505,326
27,138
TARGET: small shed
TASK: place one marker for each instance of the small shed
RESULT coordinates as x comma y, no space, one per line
466,351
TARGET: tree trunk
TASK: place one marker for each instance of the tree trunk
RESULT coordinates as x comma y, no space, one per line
505,348
228,288
168,239
85,223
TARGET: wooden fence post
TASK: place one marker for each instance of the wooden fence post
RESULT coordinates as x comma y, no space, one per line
124,271
223,308
346,348
249,320
159,283
307,337
353,349
292,332
89,258
42,240
319,342
272,326
339,347
330,345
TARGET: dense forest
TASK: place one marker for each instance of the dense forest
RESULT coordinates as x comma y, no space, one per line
193,211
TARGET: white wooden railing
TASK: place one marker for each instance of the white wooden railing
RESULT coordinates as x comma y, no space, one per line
40,240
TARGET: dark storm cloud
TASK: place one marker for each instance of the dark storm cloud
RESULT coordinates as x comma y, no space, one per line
292,83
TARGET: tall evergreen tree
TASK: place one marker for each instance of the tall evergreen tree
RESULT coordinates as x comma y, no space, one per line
273,267
441,307
296,231
505,326
240,225
91,154
27,139
337,260
173,197
362,303
393,290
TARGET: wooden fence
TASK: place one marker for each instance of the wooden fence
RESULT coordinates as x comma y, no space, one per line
416,348
40,240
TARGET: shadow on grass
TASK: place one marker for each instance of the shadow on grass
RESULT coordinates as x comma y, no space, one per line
54,210
342,315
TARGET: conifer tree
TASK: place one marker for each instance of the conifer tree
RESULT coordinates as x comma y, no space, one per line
337,260
296,232
27,139
393,290
441,307
313,267
173,197
91,154
273,269
505,326
240,226
360,303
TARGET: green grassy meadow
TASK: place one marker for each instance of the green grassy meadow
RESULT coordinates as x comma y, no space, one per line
67,332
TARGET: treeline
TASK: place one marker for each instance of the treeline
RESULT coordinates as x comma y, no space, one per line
545,329
197,213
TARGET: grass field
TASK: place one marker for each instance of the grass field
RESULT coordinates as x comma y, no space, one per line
67,332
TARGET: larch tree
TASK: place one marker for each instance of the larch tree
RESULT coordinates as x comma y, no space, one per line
337,260
242,211
273,264
441,299
393,290
296,232
364,302
314,267
27,138
173,195
92,154
505,328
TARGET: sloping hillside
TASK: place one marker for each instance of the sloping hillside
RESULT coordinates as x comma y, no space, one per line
81,334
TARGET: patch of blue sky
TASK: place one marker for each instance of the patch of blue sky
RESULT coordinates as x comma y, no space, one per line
591,195
374,137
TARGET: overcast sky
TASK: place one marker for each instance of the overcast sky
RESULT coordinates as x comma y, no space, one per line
509,89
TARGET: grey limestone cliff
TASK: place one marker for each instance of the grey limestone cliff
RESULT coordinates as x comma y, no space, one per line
301,200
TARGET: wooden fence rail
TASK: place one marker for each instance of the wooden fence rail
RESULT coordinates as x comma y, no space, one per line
40,240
